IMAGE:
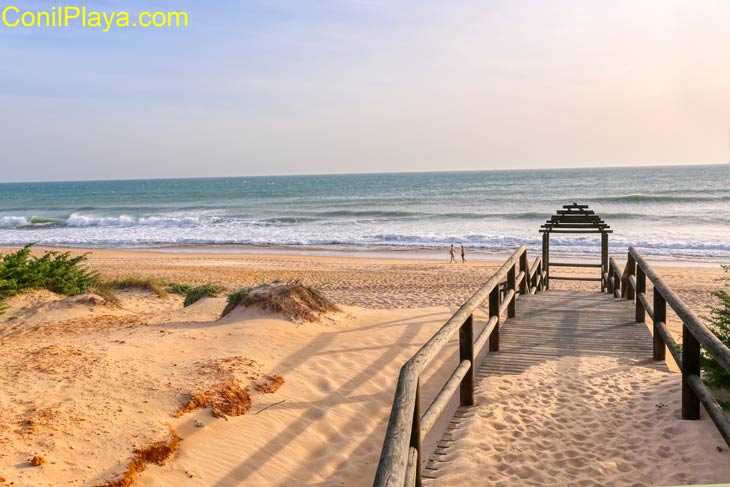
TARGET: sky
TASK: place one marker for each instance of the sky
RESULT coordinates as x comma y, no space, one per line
337,86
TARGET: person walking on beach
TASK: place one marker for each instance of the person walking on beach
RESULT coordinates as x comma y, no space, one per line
452,251
463,254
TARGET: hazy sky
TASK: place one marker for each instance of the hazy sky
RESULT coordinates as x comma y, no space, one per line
276,87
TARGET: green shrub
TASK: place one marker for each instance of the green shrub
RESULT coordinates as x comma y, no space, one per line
151,284
177,288
719,323
55,271
235,298
194,294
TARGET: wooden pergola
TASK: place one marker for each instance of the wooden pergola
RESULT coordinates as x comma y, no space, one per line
574,219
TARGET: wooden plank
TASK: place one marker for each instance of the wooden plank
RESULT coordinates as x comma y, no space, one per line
544,230
575,219
568,278
574,264
574,225
571,212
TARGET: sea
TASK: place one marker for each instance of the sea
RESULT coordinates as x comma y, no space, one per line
672,212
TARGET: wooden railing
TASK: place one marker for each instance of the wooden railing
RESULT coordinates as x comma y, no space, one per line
631,284
401,457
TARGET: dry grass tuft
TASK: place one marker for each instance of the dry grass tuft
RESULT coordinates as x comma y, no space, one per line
152,284
293,299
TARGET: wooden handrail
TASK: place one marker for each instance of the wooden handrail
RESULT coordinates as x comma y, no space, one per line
708,340
401,456
695,336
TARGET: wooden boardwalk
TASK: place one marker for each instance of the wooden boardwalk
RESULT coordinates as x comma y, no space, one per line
549,326
598,396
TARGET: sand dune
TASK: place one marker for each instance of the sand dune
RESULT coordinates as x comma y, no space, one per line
84,384
84,393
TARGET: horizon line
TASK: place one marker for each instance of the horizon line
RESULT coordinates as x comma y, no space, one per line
557,168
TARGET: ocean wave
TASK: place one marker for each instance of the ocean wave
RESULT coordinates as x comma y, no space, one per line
289,219
233,233
42,220
659,198
79,220
14,221
368,213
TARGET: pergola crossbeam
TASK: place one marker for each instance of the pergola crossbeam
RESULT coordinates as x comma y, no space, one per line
575,219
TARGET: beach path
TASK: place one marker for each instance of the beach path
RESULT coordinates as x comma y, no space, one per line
573,397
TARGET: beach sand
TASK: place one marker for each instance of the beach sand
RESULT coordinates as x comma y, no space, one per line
84,384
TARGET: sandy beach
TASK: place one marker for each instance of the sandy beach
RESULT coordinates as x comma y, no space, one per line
236,237
87,385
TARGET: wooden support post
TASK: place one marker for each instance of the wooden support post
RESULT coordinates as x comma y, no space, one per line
631,270
466,352
660,316
690,366
604,259
512,286
416,433
546,260
494,311
525,267
608,275
640,288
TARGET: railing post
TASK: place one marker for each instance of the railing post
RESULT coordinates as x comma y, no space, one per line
631,270
416,432
660,316
525,267
616,283
466,352
512,286
608,277
604,260
494,311
690,366
640,288
546,260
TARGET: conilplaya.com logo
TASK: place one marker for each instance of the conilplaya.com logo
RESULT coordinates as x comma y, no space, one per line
68,16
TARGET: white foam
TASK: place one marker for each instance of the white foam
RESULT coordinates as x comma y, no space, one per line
13,221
